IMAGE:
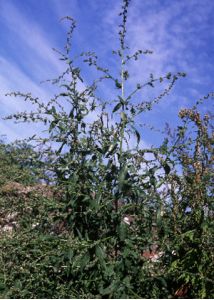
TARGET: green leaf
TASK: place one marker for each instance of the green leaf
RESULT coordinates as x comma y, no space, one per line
169,75
53,125
64,94
133,111
70,254
159,217
53,109
137,134
84,261
122,176
118,106
121,99
167,168
111,149
118,84
110,289
122,231
189,234
2,286
101,255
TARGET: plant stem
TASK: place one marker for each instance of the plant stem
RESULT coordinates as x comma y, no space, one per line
123,106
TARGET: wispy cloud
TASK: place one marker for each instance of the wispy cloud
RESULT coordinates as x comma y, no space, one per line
9,105
171,30
32,37
38,62
177,32
180,33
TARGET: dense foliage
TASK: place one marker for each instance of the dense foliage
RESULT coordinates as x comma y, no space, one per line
114,220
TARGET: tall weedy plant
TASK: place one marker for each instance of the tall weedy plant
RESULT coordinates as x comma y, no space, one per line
103,178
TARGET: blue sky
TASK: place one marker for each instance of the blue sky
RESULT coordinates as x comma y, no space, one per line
180,32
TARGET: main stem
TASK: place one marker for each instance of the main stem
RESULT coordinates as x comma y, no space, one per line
123,106
122,130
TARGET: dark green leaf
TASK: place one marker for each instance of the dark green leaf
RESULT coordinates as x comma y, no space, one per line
118,106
